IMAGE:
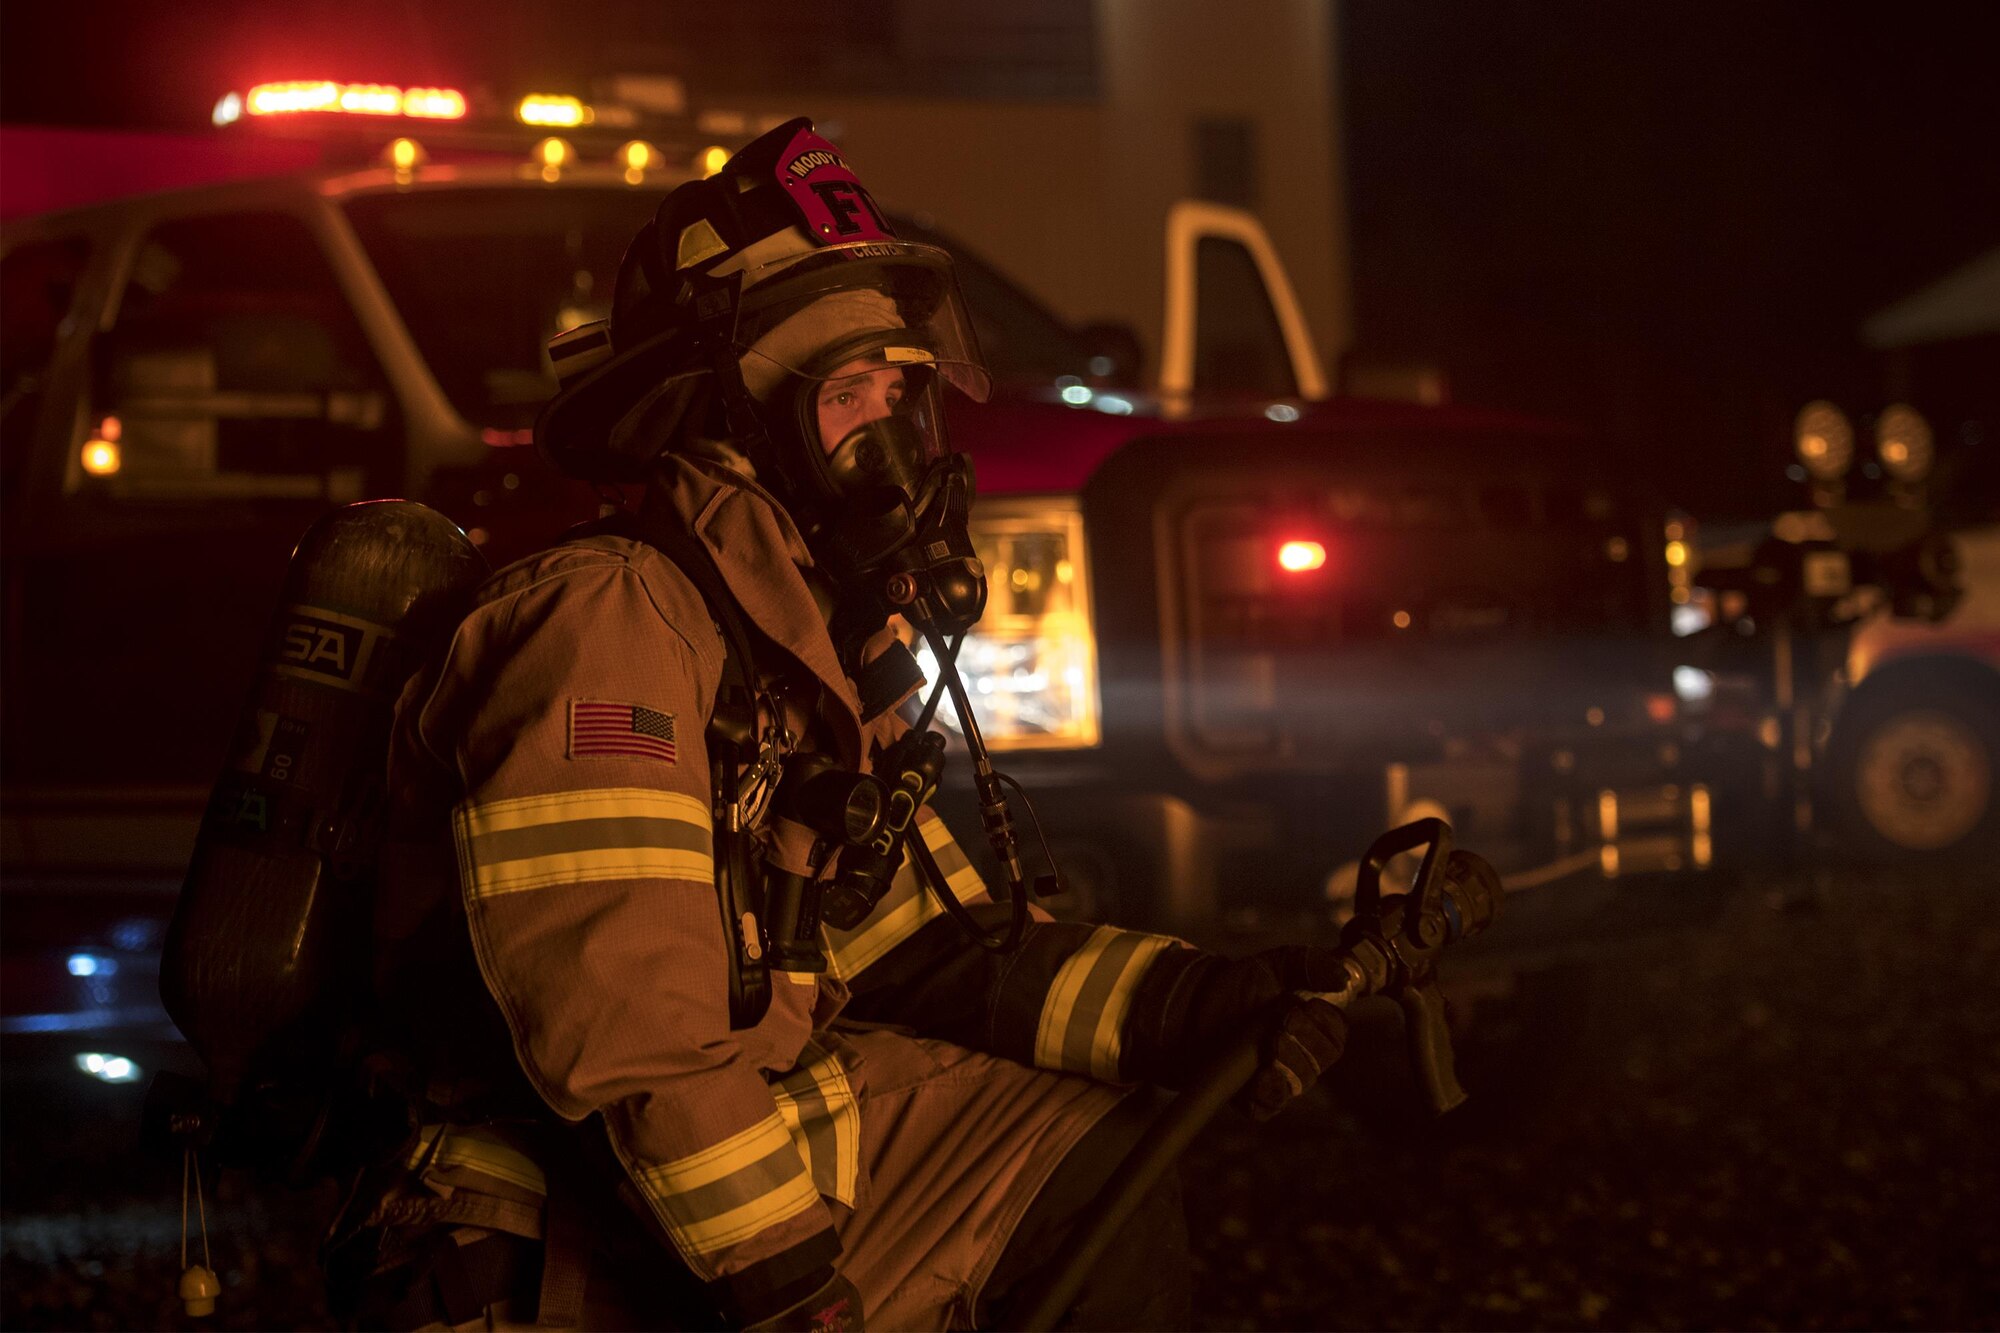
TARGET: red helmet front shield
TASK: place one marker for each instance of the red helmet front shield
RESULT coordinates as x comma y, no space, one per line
832,204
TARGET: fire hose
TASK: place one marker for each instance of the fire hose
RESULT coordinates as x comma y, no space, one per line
1390,948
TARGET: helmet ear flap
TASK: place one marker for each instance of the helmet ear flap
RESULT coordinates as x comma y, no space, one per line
636,312
654,263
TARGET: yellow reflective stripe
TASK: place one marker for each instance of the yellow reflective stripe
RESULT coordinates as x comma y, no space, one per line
827,1127
476,1150
598,803
965,881
590,867
906,908
720,1160
731,1191
530,842
1061,999
1082,1024
1107,1041
781,1204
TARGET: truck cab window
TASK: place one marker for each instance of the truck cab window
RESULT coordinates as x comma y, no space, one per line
483,278
1239,343
1023,342
38,283
235,368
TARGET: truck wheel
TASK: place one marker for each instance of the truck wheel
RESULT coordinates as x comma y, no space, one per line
1916,775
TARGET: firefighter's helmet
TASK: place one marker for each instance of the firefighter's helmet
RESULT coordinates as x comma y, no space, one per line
777,289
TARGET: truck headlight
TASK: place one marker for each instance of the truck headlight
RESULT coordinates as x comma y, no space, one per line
1903,443
1824,440
1030,665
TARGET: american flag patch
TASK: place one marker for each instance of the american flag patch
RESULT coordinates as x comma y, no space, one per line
620,729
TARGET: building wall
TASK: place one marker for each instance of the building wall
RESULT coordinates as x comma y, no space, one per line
1168,65
1018,182
1070,196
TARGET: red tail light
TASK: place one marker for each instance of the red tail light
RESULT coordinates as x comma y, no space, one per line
1300,557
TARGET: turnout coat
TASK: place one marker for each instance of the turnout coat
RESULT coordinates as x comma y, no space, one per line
550,804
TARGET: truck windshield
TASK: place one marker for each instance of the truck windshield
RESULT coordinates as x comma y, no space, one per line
484,277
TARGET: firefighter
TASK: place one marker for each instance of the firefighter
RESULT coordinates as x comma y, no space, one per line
630,1108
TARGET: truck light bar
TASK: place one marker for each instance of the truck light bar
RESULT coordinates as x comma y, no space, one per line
358,99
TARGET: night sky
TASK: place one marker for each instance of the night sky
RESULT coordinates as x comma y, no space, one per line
1664,220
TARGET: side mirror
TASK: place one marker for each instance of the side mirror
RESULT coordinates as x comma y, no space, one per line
1114,356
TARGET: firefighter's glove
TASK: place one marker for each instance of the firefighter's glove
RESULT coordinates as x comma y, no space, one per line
834,1308
1307,1042
1191,1004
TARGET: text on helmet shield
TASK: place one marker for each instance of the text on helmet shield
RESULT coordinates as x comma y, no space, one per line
831,202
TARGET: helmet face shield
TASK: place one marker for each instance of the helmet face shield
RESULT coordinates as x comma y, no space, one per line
794,310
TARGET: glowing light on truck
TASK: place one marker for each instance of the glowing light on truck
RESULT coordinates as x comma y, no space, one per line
639,157
554,154
101,458
434,103
1031,665
1301,557
325,96
101,455
554,111
108,1068
405,155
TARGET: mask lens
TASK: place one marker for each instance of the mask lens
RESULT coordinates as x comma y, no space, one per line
888,451
860,392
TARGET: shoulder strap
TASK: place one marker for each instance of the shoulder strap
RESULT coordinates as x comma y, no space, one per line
732,740
693,559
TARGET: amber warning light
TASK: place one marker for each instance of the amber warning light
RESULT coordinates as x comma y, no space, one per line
1300,557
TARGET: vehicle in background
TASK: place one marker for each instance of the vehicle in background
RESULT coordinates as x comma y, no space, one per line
1237,624
1853,660
1914,758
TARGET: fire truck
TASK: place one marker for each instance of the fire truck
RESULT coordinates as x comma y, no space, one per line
1239,620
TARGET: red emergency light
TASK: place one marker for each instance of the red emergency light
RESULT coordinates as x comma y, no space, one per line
1301,557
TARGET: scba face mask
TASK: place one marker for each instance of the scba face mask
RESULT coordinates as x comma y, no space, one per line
867,413
867,427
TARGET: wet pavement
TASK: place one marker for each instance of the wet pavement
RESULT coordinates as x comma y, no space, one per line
1734,1117
1779,1119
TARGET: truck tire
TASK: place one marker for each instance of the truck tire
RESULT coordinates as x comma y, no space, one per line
1915,774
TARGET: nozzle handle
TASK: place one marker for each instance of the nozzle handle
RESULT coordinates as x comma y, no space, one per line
1434,835
1429,1040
